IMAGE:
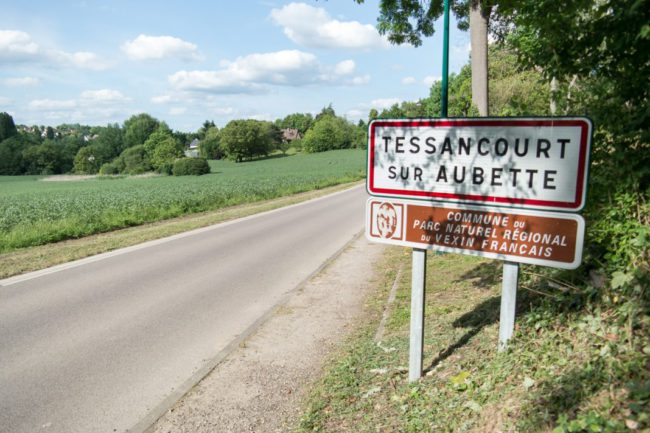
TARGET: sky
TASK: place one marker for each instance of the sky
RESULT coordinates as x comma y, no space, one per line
96,62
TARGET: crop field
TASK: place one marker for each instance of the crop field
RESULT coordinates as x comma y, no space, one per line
35,212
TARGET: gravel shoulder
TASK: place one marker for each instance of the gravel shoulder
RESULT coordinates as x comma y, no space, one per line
260,385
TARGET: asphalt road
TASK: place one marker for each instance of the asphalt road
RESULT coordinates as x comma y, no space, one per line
103,344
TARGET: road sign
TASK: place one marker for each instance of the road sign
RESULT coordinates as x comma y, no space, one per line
536,163
542,238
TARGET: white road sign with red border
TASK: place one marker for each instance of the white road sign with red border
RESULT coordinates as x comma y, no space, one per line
535,163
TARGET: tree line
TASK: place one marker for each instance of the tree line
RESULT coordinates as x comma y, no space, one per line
143,143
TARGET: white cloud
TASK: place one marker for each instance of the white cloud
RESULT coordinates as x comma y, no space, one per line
277,67
346,67
94,106
5,101
362,109
22,82
384,103
360,80
17,45
89,99
82,60
103,96
260,116
314,27
355,114
161,99
177,111
146,47
430,79
408,80
255,72
52,104
224,111
211,81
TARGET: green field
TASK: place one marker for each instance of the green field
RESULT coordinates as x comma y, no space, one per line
34,212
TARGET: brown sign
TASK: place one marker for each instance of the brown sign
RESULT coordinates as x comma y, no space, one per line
541,238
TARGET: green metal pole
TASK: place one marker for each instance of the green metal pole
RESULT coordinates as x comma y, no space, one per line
445,61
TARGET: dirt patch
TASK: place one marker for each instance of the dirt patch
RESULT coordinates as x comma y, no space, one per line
260,386
68,177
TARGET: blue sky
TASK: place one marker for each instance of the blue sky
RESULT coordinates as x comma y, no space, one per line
99,61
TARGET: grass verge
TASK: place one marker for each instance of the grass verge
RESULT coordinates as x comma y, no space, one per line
44,256
573,365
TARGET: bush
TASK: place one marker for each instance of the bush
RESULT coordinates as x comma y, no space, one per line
134,160
191,167
109,169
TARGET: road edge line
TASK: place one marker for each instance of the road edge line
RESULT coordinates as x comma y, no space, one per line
102,256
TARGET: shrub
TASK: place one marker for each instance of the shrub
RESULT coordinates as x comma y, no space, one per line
191,167
108,169
135,160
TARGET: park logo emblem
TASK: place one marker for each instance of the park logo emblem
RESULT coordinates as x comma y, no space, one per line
387,220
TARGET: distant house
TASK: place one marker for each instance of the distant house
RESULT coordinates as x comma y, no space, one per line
192,150
290,134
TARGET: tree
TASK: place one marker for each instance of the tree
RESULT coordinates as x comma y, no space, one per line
85,162
329,133
273,134
300,121
479,21
209,146
111,138
203,130
70,145
394,112
407,21
138,128
608,53
36,134
7,126
11,155
360,136
326,111
244,139
598,53
460,96
413,109
49,133
46,158
162,149
516,90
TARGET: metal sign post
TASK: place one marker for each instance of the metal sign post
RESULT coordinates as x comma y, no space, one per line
508,303
420,256
418,279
